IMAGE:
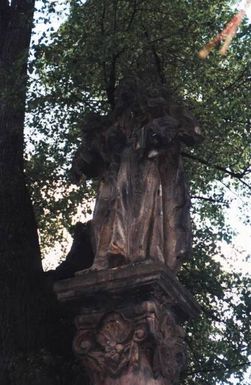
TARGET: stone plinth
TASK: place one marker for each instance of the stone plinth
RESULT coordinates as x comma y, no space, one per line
128,323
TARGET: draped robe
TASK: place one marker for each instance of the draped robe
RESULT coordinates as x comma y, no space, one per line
142,204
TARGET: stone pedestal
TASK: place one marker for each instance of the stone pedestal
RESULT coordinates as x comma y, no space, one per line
128,323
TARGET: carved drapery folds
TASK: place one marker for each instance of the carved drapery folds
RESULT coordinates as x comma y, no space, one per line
142,204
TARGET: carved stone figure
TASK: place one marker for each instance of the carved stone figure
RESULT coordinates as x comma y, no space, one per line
142,204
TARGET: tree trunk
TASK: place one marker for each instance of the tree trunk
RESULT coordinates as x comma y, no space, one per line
35,339
21,300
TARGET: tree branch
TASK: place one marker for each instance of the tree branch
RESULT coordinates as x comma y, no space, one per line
156,57
132,16
237,175
206,199
115,7
237,80
216,370
111,82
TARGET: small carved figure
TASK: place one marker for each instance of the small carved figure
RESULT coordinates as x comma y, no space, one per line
142,204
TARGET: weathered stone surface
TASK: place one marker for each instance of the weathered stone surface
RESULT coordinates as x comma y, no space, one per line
130,305
145,343
142,204
128,323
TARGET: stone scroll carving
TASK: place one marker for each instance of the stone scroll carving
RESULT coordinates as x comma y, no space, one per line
142,204
146,343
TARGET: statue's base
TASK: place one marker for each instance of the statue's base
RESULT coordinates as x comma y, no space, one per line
128,323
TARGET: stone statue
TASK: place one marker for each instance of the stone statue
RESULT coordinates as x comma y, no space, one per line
142,204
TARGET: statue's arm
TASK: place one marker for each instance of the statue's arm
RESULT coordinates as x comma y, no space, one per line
189,131
159,133
179,127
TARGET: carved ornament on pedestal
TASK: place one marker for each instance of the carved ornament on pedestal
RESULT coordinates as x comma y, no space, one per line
128,328
144,344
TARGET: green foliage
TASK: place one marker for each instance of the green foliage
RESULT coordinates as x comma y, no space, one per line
77,71
219,342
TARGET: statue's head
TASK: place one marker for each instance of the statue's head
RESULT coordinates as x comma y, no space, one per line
137,103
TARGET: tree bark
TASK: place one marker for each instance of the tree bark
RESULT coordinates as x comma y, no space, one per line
21,303
35,348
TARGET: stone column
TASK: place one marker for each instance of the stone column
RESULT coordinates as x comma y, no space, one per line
128,323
